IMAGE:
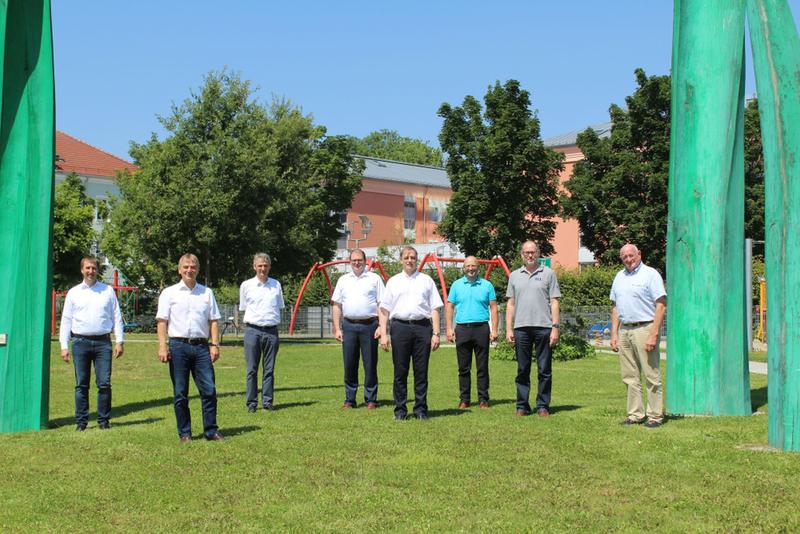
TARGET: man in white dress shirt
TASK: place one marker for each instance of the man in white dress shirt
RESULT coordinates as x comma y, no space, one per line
187,316
355,323
90,312
412,303
261,300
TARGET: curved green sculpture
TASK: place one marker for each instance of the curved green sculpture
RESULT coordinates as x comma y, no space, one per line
27,115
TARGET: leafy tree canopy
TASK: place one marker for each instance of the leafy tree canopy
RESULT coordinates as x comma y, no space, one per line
618,193
503,178
232,177
73,235
388,144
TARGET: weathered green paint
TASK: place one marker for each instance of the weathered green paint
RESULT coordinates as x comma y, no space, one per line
26,189
707,354
776,54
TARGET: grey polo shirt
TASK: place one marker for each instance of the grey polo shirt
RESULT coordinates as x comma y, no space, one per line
532,293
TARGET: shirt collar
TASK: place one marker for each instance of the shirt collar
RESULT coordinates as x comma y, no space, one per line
475,283
636,270
536,270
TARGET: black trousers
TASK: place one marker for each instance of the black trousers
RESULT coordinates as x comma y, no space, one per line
411,343
471,339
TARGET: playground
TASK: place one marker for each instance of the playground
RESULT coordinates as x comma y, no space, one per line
311,467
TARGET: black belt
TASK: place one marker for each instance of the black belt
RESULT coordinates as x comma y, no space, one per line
472,325
98,337
191,340
264,328
361,321
640,323
423,322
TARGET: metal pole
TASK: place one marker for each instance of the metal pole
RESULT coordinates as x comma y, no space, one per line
748,290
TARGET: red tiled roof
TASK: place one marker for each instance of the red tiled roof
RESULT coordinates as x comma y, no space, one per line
73,155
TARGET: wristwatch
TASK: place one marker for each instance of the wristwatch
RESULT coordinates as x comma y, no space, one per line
214,345
436,333
556,325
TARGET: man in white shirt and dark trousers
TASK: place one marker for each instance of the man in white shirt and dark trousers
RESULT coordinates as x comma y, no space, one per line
412,303
355,323
261,300
89,314
188,314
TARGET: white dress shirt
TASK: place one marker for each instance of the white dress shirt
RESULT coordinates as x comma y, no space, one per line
359,296
261,302
411,298
187,311
90,311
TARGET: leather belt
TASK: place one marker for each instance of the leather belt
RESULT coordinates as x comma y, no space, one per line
472,325
191,340
264,328
361,321
640,323
99,337
423,322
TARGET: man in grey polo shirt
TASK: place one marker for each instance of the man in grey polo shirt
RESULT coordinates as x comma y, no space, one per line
639,304
532,321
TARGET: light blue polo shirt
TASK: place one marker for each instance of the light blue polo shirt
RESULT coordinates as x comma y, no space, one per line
635,293
471,299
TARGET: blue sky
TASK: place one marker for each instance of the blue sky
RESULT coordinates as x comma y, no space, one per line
356,66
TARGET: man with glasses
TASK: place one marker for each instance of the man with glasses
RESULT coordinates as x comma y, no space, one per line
532,322
355,323
412,303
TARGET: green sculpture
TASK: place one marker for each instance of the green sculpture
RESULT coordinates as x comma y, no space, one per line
27,115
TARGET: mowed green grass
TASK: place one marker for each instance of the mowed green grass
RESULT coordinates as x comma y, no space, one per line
311,467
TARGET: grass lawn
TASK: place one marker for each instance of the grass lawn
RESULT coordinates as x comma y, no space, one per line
311,467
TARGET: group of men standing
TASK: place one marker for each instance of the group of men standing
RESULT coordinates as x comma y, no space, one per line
405,313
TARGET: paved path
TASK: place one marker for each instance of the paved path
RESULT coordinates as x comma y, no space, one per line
759,368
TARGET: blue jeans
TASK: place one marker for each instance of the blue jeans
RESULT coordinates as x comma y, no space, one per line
526,339
194,359
84,352
260,346
357,338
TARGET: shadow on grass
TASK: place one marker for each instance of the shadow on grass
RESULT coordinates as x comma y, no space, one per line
300,388
758,398
290,405
237,430
446,413
564,408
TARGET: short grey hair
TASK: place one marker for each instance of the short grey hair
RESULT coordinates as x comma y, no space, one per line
262,256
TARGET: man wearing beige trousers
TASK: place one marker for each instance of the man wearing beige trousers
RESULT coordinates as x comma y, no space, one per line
639,305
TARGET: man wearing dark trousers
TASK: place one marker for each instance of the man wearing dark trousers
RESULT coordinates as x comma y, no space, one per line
89,314
532,315
188,314
355,323
261,300
412,303
473,300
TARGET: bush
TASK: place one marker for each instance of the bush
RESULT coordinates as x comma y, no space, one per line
569,347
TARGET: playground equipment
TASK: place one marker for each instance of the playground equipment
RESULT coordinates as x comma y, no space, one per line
497,261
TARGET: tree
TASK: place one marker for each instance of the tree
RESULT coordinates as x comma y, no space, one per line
233,177
388,144
618,193
73,234
504,180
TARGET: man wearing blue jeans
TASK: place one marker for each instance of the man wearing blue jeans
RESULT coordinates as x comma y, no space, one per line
355,323
89,314
532,315
188,314
261,300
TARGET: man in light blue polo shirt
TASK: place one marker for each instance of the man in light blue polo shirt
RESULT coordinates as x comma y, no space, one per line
474,302
639,304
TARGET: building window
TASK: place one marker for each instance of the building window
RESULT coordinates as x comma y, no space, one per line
409,213
437,210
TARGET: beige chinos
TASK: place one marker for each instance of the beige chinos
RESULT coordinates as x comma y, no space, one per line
634,360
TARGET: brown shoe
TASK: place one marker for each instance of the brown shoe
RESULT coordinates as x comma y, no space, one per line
372,406
543,412
521,413
463,405
347,406
216,437
484,405
186,439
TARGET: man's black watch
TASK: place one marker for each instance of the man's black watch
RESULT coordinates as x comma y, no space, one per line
556,325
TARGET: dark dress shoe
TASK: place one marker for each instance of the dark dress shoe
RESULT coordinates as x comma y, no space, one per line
400,416
251,409
105,426
216,437
186,439
372,406
463,405
652,424
80,428
629,421
269,407
422,416
543,412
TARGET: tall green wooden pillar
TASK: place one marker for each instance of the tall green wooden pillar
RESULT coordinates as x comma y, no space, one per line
776,53
707,370
27,115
